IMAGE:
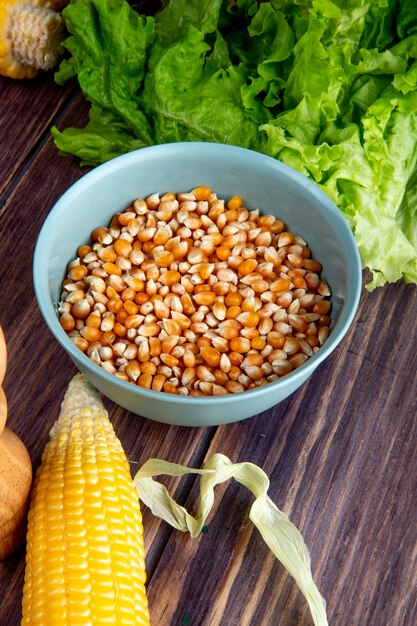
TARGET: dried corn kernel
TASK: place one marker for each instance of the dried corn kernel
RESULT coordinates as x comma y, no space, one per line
190,295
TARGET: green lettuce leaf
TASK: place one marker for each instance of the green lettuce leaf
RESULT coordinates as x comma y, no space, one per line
407,18
407,220
173,20
271,43
109,43
185,87
366,175
104,138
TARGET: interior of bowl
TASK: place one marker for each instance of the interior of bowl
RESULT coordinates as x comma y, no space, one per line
262,182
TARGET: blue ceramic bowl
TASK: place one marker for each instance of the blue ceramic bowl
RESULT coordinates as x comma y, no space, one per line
264,183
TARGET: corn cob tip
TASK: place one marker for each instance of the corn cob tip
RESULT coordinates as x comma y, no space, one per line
81,400
30,38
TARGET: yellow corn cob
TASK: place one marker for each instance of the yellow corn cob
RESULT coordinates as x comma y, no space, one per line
30,37
85,553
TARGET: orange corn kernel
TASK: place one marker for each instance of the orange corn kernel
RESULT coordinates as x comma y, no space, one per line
187,304
247,267
145,380
148,368
234,387
112,268
170,278
275,339
223,252
282,284
128,294
93,320
210,355
81,343
233,299
163,258
170,388
168,359
119,329
219,310
249,318
134,283
312,266
131,307
82,251
233,312
149,329
67,322
158,382
107,324
78,272
202,193
108,338
133,321
205,298
141,298
107,255
121,316
322,307
240,344
228,332
91,334
234,203
171,327
115,305
258,343
122,247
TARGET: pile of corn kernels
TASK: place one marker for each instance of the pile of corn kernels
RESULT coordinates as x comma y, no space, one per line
188,294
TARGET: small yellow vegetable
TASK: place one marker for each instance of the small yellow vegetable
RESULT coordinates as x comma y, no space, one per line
3,355
30,37
15,483
15,476
85,552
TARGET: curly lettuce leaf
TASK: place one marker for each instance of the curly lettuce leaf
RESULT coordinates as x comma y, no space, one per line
407,219
407,18
185,87
173,20
270,43
109,44
365,176
103,138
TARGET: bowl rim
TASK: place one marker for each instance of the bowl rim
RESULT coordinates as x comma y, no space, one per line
297,376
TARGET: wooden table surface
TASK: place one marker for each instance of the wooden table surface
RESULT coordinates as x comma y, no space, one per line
341,452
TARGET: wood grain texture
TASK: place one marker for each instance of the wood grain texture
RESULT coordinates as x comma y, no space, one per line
27,112
340,452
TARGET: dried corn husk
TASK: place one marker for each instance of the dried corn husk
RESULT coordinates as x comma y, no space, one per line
279,533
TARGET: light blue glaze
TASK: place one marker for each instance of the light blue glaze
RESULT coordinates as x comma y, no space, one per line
264,183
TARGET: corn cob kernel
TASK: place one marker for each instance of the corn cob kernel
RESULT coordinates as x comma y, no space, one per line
85,552
30,37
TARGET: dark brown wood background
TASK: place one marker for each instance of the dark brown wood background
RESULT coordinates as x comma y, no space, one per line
341,452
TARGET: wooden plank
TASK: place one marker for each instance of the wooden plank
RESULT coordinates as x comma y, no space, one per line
343,467
20,131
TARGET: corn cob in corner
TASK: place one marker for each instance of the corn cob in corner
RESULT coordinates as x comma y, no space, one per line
31,32
85,552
